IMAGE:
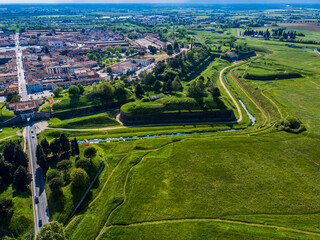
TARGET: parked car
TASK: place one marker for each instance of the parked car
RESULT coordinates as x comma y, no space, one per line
36,200
40,222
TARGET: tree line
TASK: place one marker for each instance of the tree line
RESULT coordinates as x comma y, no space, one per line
56,178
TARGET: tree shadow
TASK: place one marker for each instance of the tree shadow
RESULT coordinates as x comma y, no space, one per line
22,194
56,202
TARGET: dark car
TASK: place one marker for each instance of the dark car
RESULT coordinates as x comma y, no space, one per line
40,222
36,200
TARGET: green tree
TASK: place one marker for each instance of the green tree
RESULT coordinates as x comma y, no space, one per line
109,70
56,184
53,174
74,90
65,144
5,206
90,153
57,91
65,166
139,91
103,90
21,178
84,164
55,146
157,86
75,147
120,91
45,146
51,231
41,158
81,89
5,172
149,79
79,179
20,157
176,84
195,90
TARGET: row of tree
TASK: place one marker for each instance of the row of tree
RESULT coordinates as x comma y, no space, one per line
13,167
276,33
56,147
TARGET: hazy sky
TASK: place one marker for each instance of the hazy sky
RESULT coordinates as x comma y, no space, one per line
161,1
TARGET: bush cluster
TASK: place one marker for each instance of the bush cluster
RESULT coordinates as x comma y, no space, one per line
291,124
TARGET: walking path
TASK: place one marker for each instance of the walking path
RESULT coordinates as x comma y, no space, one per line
230,95
214,220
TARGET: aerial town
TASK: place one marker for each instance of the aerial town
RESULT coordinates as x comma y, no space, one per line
159,120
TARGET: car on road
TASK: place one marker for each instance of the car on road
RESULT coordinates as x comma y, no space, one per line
32,136
36,200
40,222
31,131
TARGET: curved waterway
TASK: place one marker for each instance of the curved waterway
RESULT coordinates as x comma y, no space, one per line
251,117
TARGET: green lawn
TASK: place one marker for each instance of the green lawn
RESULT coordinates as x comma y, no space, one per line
4,113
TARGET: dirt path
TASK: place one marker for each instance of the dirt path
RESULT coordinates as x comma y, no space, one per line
216,220
5,138
315,83
228,92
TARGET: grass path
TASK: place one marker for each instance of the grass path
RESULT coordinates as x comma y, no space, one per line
315,83
214,220
5,138
125,186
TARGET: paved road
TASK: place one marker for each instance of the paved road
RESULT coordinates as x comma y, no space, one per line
21,74
40,210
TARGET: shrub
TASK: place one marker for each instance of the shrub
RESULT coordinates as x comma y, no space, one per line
84,164
52,231
291,124
53,174
79,179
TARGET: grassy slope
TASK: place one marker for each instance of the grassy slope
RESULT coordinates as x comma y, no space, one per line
266,179
93,121
4,113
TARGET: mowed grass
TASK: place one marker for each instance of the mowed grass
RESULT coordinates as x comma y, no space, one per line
217,178
93,121
4,113
200,230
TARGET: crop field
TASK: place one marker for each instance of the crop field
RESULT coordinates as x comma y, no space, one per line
259,183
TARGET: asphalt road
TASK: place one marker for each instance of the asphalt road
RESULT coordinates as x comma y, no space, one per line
21,74
41,209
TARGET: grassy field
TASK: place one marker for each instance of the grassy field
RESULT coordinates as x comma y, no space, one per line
92,121
4,113
20,219
257,183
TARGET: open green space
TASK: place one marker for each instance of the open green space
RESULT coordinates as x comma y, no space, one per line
4,113
92,121
214,186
